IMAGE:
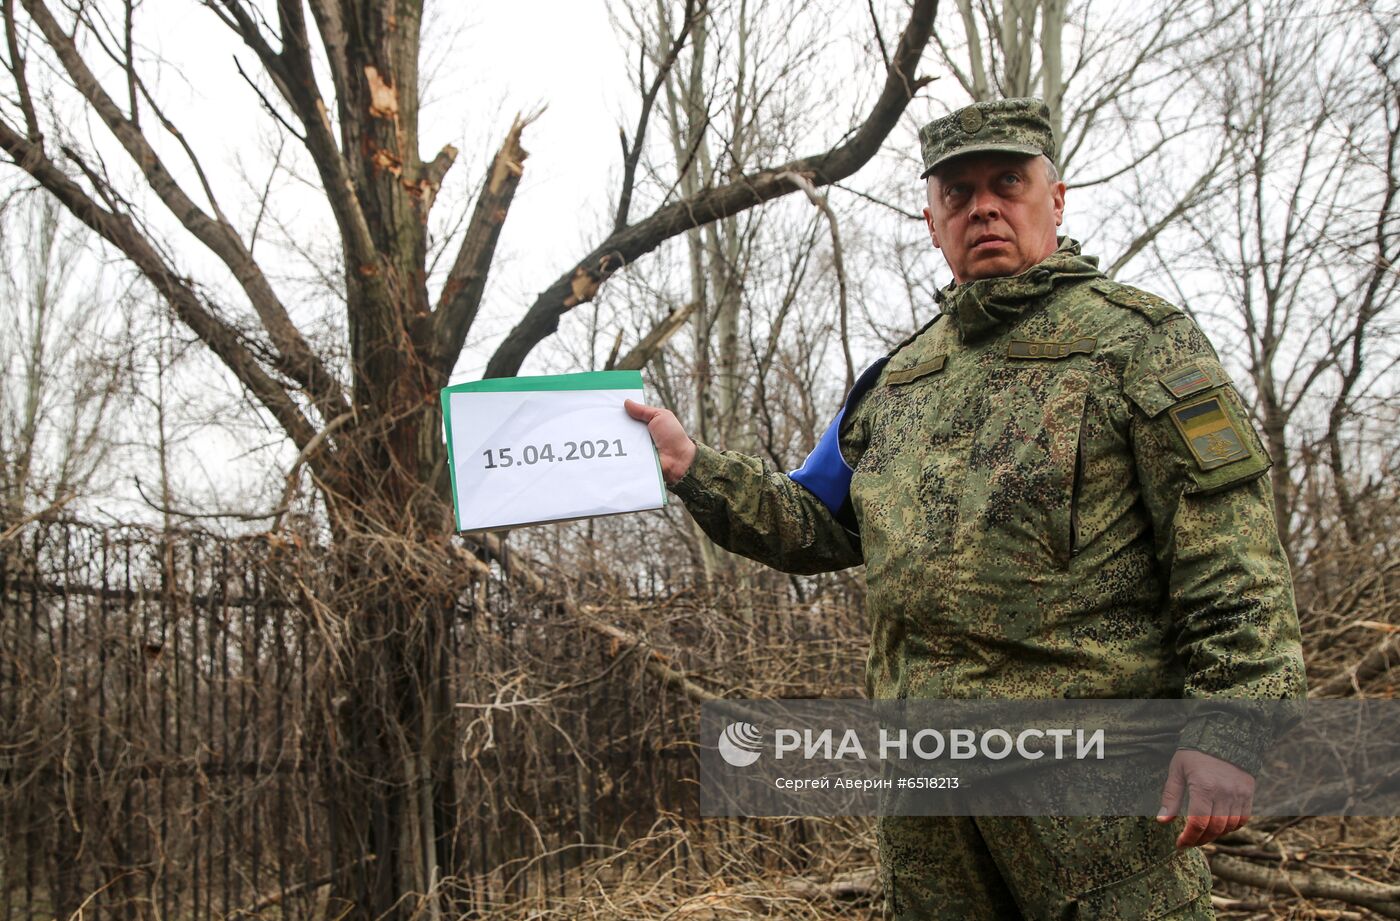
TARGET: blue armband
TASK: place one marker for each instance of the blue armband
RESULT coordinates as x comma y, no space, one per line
825,473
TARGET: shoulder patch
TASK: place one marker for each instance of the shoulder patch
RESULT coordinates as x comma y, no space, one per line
1188,379
1150,306
1210,432
1213,430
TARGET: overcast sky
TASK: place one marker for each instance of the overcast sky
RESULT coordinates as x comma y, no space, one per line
483,64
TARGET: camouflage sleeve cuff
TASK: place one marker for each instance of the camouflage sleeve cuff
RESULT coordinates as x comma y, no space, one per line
692,486
1234,737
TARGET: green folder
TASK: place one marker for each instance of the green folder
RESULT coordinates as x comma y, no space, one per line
584,381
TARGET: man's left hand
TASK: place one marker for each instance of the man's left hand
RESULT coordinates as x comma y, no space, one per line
1221,796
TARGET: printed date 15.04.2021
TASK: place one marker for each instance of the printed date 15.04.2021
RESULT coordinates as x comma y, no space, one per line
530,455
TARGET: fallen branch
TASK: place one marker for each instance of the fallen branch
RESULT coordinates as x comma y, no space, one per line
1221,903
855,884
750,899
656,662
1376,662
276,898
652,342
1383,900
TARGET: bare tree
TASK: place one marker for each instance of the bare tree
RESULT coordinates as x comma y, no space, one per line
727,104
66,366
1298,253
368,436
1113,77
1370,285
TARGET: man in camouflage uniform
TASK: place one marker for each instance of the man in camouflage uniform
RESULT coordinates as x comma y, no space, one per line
1056,492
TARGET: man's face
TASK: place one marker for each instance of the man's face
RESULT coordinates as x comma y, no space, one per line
993,214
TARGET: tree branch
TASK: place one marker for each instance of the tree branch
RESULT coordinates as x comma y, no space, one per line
292,73
1377,661
656,662
1188,201
466,283
1383,900
653,342
838,263
581,283
17,70
297,358
118,229
631,156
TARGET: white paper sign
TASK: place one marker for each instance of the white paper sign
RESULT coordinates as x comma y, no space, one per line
527,450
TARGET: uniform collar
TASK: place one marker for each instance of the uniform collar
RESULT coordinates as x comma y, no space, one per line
977,308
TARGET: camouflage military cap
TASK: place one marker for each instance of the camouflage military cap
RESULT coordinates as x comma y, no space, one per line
1005,125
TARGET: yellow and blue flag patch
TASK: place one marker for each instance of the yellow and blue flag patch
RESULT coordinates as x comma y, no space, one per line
1210,431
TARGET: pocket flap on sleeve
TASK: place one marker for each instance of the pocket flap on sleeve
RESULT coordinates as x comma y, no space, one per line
1154,393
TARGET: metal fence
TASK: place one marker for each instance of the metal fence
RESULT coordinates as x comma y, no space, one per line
159,756
151,703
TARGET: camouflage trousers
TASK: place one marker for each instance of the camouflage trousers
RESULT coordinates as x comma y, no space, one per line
1040,868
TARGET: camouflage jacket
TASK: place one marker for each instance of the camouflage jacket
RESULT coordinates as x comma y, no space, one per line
1057,492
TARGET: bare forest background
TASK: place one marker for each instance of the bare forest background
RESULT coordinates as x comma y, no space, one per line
247,670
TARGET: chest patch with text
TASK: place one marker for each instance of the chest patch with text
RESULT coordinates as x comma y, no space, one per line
1024,348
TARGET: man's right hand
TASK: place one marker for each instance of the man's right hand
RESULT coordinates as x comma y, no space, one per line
672,443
